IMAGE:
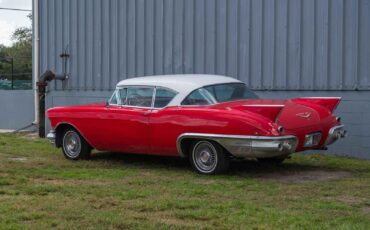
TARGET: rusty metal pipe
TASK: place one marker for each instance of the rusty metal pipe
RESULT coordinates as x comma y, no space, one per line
46,77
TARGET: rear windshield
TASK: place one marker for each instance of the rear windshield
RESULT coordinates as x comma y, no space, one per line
219,93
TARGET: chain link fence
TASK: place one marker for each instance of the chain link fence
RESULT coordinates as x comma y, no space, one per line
17,81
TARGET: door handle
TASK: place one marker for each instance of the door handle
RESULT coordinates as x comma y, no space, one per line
146,113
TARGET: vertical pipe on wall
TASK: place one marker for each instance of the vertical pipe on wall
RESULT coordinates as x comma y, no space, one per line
36,55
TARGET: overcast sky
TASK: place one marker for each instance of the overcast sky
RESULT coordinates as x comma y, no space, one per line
10,20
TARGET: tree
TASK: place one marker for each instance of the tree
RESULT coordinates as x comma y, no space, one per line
20,51
23,34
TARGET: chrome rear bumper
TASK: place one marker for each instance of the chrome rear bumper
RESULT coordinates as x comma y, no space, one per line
51,136
335,133
247,146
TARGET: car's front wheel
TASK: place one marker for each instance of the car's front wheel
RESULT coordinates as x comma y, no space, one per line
74,145
208,157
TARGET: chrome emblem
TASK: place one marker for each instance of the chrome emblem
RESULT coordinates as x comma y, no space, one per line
305,115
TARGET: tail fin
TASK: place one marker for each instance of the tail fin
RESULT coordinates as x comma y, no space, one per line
330,103
270,111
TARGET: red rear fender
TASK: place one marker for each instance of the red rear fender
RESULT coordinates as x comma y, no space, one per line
330,103
272,112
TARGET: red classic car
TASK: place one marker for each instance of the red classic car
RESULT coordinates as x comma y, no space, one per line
209,119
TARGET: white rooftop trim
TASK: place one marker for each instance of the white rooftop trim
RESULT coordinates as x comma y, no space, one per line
181,83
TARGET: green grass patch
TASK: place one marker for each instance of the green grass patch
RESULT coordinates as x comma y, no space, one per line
40,189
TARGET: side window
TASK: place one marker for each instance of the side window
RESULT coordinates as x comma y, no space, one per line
163,97
139,96
123,96
199,97
230,92
221,92
114,100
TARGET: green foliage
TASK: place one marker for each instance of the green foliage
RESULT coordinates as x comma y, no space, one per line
20,51
39,189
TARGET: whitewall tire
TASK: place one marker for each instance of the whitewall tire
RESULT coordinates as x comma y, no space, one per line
207,157
74,145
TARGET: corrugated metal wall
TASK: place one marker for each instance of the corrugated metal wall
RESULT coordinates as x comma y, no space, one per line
284,45
269,44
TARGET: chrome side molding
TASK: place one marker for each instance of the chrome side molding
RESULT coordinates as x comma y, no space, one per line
243,146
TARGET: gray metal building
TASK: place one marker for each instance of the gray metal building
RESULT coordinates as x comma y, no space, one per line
280,48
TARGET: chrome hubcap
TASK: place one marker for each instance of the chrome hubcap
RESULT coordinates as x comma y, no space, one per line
72,144
205,156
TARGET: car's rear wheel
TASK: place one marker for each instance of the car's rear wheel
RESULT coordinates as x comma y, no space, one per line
208,157
74,145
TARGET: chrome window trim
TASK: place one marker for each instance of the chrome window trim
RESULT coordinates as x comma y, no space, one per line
146,86
140,86
133,106
201,94
110,99
216,102
153,103
153,96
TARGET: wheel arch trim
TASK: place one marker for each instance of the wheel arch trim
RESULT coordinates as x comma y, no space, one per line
73,126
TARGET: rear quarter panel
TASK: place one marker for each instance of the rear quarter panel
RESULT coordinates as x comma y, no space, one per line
166,125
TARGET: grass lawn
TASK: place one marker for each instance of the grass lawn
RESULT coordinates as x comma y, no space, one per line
40,189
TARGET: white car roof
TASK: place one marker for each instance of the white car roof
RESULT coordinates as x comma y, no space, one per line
181,83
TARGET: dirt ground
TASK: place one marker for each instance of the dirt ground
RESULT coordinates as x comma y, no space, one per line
305,176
